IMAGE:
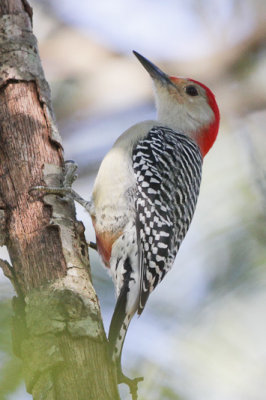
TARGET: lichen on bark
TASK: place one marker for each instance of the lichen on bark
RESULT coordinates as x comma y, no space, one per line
20,61
57,327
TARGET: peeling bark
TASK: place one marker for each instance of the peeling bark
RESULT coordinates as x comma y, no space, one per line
57,327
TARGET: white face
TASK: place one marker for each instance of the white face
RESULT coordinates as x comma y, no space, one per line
183,106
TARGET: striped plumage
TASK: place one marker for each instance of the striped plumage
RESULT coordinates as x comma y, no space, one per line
167,167
166,175
145,194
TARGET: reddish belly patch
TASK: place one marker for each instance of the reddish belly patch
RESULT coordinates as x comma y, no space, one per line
105,241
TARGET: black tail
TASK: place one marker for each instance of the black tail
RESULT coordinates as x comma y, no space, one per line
121,318
118,328
117,333
125,308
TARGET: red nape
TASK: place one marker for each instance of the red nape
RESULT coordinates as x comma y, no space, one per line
208,135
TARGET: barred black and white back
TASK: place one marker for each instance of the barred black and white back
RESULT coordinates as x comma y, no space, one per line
167,174
146,191
167,166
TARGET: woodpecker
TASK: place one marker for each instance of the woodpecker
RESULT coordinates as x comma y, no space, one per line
146,191
145,194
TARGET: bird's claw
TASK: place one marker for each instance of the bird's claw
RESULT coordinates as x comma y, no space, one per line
66,190
131,383
70,168
92,245
44,190
69,176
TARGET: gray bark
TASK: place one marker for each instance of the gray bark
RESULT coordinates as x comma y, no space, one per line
57,327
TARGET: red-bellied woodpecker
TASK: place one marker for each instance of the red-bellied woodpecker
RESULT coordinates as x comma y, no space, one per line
146,191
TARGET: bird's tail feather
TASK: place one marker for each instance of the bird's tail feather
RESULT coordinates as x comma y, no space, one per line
118,328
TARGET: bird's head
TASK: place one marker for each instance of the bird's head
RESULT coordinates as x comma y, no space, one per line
185,105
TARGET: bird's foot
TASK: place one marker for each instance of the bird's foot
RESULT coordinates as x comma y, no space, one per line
92,245
131,383
65,190
70,175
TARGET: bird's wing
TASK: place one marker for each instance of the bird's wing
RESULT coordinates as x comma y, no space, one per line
167,168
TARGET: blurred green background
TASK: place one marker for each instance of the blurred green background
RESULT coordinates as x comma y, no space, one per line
203,332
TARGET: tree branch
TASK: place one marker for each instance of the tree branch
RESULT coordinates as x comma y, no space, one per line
58,330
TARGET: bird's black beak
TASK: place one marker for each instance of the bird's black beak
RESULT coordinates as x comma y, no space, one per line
154,71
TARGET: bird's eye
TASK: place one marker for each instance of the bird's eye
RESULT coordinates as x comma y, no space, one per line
191,90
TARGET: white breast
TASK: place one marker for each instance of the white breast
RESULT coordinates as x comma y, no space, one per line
115,181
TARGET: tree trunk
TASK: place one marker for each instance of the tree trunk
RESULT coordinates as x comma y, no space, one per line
58,330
